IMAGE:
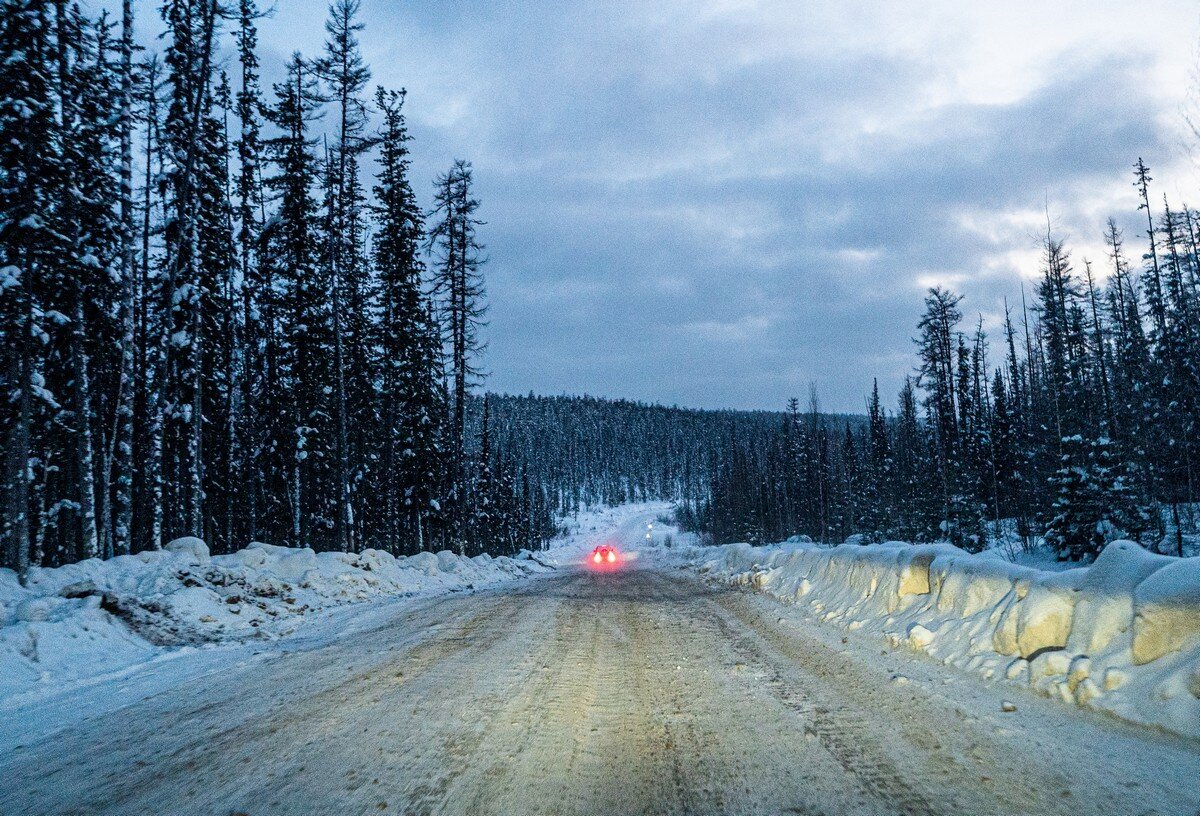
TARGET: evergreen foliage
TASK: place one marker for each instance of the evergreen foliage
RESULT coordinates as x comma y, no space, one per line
261,357
1085,432
216,322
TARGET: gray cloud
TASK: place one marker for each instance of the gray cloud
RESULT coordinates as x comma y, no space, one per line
713,203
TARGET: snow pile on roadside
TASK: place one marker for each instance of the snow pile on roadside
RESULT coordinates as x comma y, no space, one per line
1120,636
97,616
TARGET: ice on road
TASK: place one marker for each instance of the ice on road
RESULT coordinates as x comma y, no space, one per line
643,690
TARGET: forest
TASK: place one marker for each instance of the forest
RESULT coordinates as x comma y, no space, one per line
587,451
225,314
1076,426
201,339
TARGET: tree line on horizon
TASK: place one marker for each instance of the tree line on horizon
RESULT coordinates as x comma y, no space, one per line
1082,429
242,332
590,450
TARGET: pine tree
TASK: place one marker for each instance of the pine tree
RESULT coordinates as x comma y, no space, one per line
910,468
1094,503
818,467
1132,388
219,330
98,139
937,345
411,404
795,452
1155,295
30,156
80,271
458,285
255,336
1072,532
153,327
346,74
1180,397
877,482
300,380
122,457
360,318
191,24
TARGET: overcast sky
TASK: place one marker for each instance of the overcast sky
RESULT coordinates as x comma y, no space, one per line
715,202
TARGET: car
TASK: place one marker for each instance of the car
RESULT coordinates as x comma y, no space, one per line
604,556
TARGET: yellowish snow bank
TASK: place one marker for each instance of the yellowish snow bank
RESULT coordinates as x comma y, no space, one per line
1120,636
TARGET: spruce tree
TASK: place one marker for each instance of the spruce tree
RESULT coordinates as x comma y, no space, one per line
255,336
31,157
458,287
123,437
191,25
412,405
300,382
343,70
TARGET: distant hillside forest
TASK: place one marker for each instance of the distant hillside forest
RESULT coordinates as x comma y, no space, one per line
588,450
1079,422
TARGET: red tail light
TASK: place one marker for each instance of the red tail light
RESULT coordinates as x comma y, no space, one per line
612,556
596,558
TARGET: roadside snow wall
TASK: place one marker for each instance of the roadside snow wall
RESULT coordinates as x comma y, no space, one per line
1121,636
96,617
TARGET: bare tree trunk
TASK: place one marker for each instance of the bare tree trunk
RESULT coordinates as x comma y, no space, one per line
153,353
16,513
1178,528
122,453
81,409
297,510
192,486
104,492
39,501
345,515
249,424
82,463
156,410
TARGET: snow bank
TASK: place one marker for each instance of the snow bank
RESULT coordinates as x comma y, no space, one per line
1121,636
97,617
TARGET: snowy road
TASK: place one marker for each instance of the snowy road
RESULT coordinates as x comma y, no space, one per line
643,691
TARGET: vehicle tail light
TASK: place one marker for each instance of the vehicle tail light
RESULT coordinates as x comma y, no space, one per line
612,556
596,558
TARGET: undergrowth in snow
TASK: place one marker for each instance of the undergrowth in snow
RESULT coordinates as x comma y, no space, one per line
1120,636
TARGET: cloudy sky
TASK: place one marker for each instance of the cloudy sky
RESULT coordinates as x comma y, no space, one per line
716,202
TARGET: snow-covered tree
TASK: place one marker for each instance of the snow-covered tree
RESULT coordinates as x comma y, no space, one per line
411,398
459,292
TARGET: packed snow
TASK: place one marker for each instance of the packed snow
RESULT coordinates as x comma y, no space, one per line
1120,636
